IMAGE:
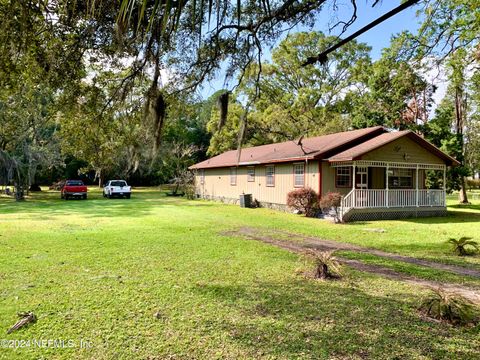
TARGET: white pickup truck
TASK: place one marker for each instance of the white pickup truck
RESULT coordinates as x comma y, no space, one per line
117,188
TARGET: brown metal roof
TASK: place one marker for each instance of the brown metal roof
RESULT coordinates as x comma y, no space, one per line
311,148
355,153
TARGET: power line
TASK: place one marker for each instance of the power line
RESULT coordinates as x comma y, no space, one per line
322,57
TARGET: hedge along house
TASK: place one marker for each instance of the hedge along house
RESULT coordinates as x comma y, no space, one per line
380,174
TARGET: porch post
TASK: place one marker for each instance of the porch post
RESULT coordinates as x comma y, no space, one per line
353,184
416,186
386,186
444,185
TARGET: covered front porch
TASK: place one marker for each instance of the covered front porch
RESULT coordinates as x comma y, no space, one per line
380,188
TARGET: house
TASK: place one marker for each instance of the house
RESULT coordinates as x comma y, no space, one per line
381,174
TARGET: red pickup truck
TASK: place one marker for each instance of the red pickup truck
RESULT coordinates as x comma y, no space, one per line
74,188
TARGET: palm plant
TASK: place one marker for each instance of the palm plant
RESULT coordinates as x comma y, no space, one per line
326,266
445,306
460,245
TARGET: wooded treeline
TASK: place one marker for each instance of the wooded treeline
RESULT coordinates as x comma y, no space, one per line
112,89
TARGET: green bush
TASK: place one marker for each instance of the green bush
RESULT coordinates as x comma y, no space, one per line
326,266
460,246
473,184
189,190
444,306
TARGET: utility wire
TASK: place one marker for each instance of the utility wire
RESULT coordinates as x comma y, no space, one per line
323,56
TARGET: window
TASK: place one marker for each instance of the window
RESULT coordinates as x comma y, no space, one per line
233,176
74,183
250,174
299,175
343,177
270,175
118,183
202,176
400,178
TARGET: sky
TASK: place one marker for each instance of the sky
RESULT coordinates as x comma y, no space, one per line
377,38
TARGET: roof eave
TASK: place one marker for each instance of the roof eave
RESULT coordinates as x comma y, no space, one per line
253,163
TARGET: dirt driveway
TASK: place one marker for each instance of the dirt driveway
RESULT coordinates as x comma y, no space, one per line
299,243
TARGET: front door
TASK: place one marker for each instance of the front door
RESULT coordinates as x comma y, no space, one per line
361,179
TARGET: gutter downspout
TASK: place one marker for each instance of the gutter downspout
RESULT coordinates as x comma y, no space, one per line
354,184
386,186
320,178
416,187
444,185
307,182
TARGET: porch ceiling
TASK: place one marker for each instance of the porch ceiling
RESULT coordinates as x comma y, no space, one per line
371,163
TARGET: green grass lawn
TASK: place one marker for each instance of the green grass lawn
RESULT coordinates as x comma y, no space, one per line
99,270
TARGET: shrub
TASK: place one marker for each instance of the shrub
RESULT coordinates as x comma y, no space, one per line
326,266
304,200
189,190
473,184
331,200
34,187
460,245
441,305
57,185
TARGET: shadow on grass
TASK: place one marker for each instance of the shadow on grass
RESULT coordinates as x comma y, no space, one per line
48,204
452,217
466,206
311,319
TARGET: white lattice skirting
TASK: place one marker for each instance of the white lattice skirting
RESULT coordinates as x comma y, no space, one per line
392,214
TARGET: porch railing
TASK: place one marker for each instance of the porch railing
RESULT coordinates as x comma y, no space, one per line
372,198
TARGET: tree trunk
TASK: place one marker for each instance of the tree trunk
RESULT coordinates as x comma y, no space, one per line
101,179
463,192
321,271
19,194
460,114
175,190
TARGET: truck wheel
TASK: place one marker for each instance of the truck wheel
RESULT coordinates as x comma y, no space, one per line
65,197
109,196
84,197
61,195
128,196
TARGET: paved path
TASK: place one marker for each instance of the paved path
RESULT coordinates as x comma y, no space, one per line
283,240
